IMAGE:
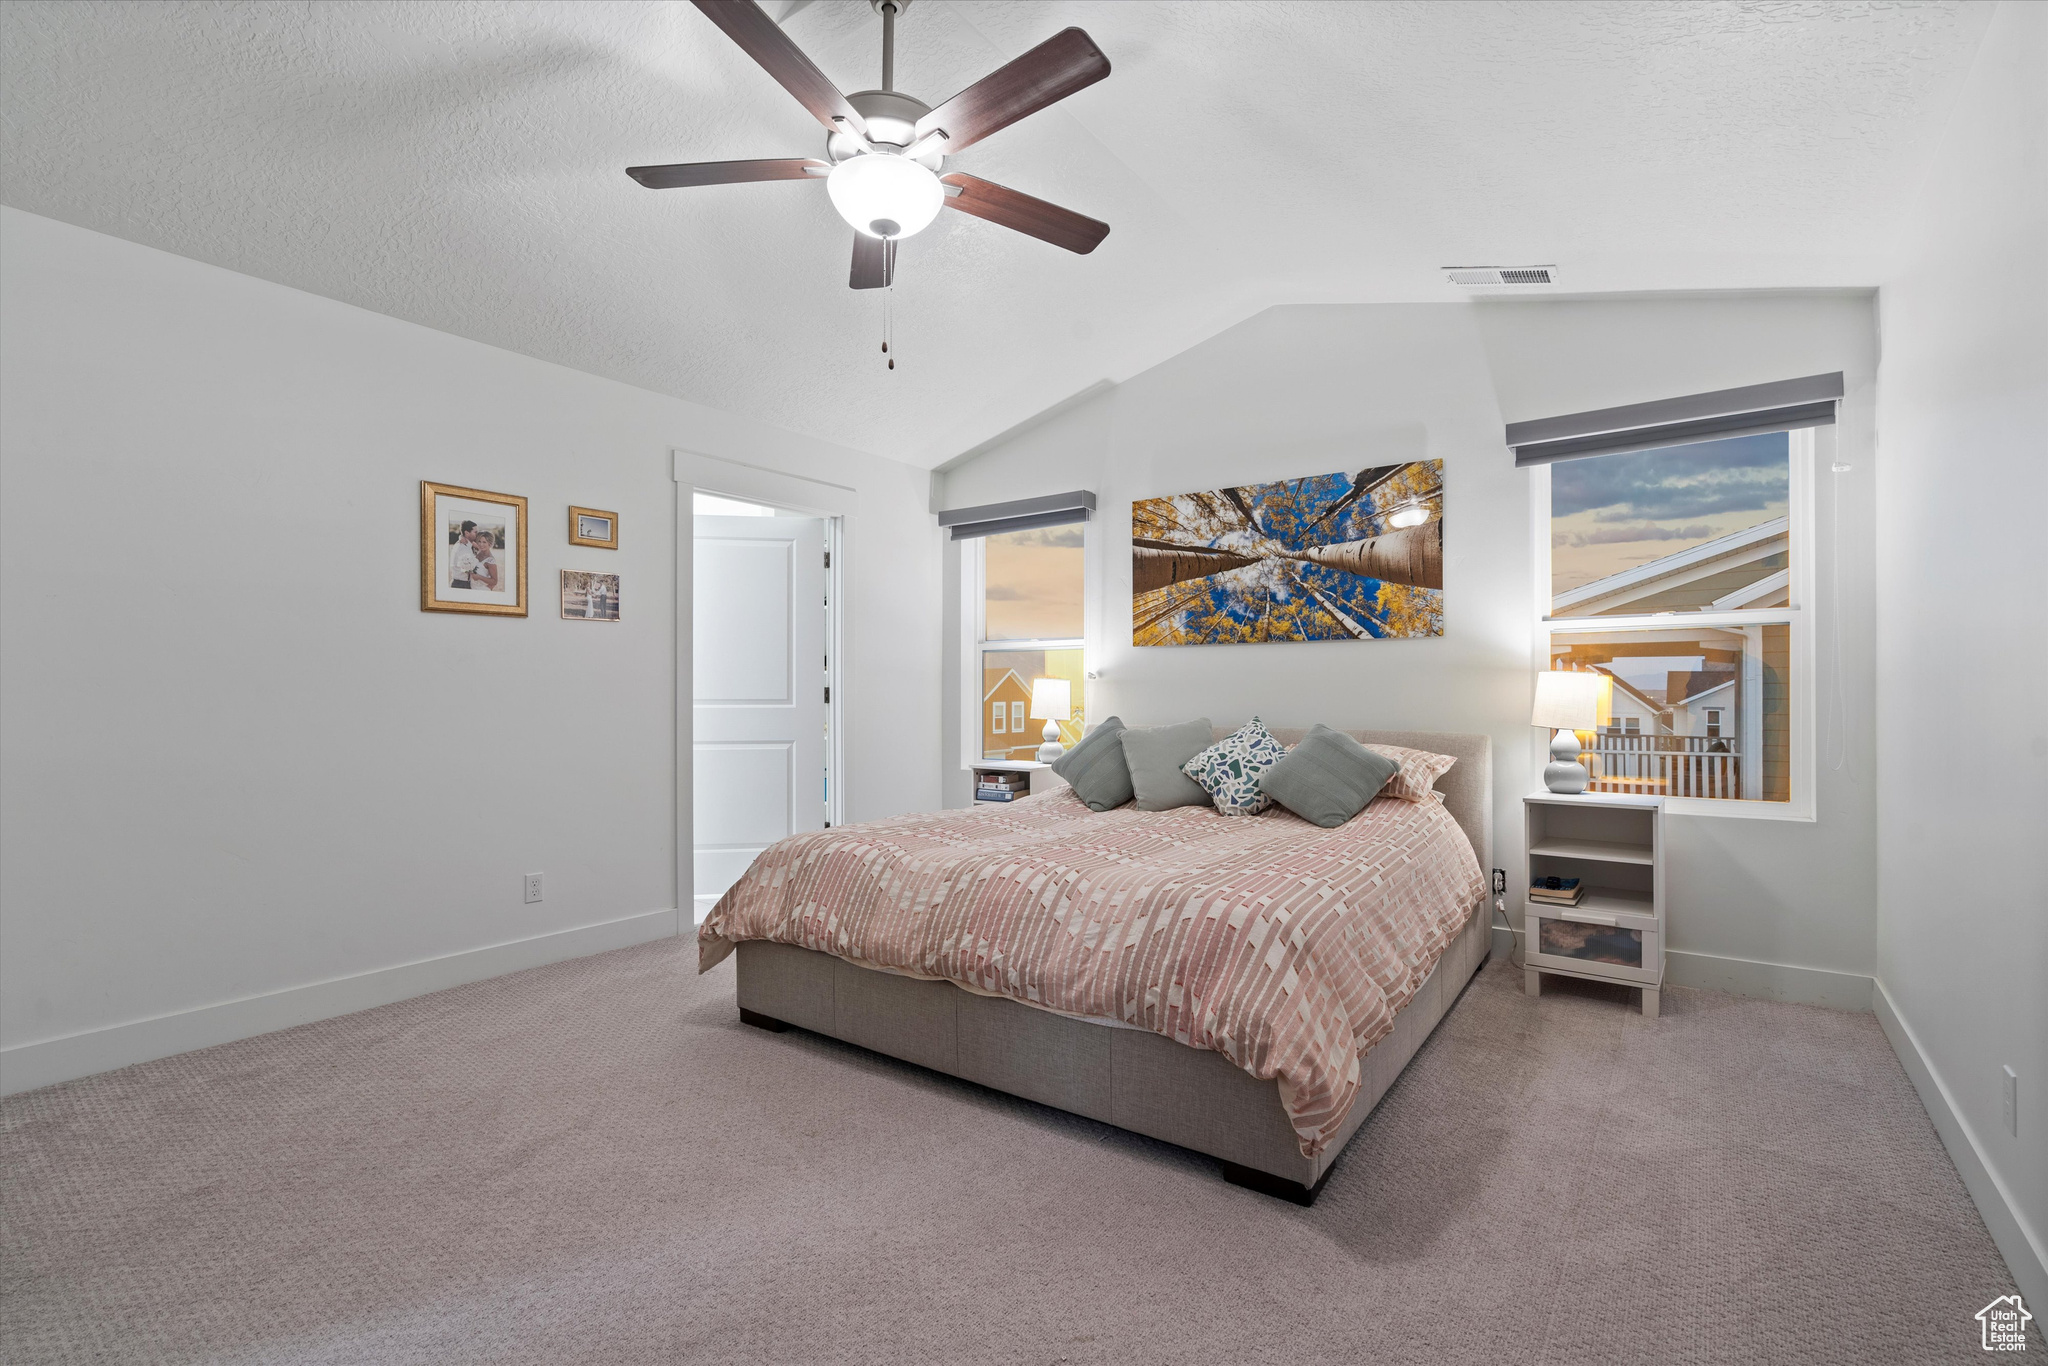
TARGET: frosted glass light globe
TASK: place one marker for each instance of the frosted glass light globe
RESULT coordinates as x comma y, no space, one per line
884,195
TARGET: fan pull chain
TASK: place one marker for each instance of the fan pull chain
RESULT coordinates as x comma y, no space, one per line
888,307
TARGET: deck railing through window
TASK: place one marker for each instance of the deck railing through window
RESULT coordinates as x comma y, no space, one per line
1666,765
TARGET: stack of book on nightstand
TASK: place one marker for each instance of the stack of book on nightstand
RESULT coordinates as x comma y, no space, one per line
1002,787
1557,891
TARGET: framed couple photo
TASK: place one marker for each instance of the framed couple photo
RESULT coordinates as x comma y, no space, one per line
472,551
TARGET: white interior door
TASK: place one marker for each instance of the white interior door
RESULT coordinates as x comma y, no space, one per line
759,690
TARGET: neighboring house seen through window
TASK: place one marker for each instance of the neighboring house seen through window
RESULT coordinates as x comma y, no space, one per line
1676,573
1031,606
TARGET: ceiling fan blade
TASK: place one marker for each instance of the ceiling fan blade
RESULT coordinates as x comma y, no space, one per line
874,262
727,172
747,24
1032,217
1056,68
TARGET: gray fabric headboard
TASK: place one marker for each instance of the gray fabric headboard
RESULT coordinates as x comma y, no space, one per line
1467,788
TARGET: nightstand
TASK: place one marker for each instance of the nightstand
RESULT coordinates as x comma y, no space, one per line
1040,776
1614,844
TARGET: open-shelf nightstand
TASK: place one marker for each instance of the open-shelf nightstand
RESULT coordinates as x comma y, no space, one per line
1615,845
1037,777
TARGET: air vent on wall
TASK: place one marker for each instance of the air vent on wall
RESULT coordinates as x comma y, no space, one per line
1501,275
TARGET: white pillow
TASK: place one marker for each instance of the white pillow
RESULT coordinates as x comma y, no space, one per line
1419,771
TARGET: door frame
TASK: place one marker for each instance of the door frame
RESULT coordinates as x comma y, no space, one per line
835,503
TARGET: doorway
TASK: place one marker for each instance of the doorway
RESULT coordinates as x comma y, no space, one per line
764,655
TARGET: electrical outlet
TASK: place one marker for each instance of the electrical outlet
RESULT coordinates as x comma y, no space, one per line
2009,1100
532,887
1500,882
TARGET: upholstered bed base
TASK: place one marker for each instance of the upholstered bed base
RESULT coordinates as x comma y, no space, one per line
1131,1078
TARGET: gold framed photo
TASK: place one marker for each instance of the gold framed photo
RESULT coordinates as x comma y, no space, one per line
472,551
589,597
593,526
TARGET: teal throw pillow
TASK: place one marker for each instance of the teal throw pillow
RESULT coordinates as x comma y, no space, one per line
1155,754
1328,778
1095,768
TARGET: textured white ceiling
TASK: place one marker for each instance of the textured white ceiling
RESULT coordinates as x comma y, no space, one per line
459,163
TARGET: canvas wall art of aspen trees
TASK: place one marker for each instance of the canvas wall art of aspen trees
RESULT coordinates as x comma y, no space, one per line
1347,556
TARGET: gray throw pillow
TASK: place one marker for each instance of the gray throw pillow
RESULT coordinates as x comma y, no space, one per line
1095,768
1328,778
1154,755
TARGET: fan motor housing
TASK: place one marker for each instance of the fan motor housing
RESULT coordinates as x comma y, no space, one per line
892,121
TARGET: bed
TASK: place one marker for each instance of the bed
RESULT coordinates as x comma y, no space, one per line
1246,987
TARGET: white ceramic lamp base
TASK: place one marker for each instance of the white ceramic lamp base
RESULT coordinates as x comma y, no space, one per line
1052,748
1564,773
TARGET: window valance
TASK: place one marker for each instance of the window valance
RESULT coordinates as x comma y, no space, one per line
991,519
1782,406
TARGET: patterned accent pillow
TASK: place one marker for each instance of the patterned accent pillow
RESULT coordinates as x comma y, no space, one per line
1419,771
1229,770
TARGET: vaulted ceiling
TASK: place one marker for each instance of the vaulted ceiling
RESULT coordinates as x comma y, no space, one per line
460,164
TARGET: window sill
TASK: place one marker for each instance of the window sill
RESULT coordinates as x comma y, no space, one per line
1738,810
1680,806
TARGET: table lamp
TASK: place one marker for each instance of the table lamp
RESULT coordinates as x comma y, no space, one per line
1567,701
1051,702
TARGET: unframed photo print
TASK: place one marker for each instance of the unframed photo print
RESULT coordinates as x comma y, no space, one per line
589,597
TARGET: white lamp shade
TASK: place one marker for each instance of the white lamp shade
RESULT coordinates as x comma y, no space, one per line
884,195
1569,700
1052,699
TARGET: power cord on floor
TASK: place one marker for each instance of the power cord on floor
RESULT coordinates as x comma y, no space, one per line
1500,905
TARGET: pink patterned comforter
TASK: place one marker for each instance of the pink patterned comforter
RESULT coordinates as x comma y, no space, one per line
1283,946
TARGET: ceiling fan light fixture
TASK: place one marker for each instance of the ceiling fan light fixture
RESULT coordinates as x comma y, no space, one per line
884,149
885,195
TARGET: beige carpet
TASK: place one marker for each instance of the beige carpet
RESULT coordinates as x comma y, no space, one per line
595,1162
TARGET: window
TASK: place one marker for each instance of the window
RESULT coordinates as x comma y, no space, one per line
1682,573
1696,528
1028,605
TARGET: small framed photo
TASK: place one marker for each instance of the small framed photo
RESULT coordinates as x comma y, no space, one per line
590,526
589,597
472,551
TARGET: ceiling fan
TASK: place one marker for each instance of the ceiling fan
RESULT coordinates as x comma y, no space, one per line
885,151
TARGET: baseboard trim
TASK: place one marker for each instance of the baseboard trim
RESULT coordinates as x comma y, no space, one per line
1772,981
2025,1254
27,1066
1741,976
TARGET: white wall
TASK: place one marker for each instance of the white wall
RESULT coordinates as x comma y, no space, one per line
1773,907
1962,639
236,758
